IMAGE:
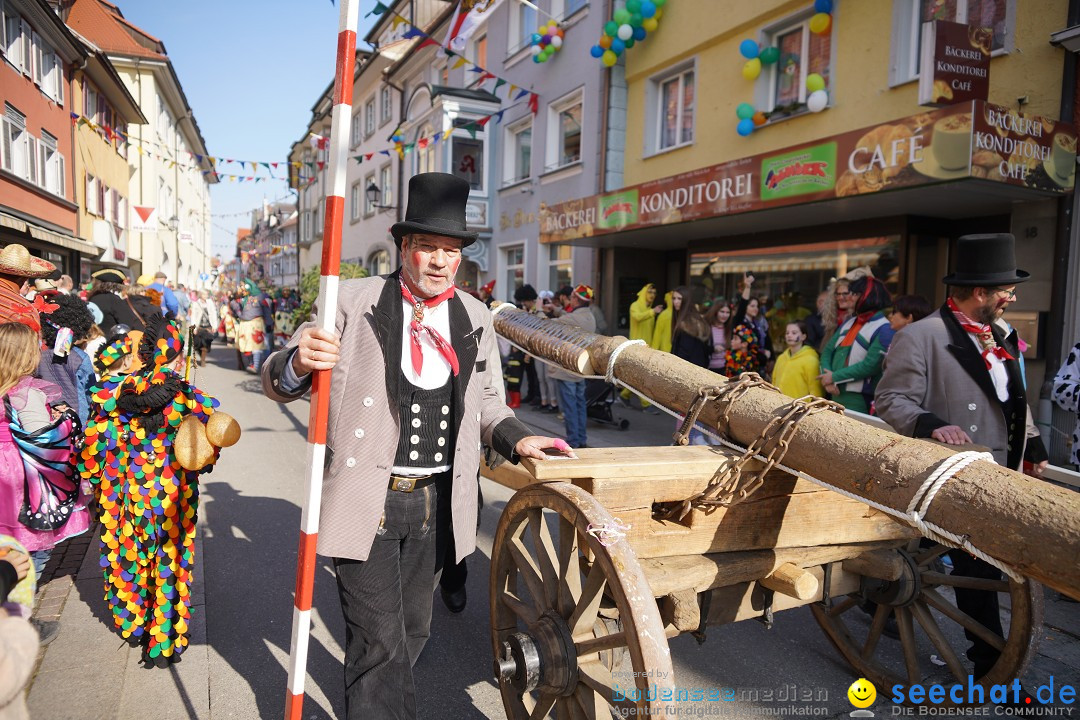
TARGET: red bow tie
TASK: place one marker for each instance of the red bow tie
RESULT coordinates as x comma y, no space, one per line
416,328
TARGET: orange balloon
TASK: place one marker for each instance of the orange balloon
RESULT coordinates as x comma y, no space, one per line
759,120
605,42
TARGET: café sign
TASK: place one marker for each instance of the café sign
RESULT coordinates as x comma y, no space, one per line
973,140
954,66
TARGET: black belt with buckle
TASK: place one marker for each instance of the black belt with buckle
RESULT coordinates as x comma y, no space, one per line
403,483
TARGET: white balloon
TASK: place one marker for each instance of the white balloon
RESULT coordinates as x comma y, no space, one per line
625,32
556,41
818,101
536,49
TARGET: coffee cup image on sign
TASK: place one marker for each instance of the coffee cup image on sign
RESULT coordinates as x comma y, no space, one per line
1061,165
950,148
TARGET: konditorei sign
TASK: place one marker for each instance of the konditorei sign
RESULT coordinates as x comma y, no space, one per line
974,140
954,66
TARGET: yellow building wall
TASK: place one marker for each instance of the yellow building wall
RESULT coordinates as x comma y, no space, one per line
711,31
94,155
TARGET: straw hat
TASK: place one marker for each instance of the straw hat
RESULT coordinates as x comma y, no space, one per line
16,260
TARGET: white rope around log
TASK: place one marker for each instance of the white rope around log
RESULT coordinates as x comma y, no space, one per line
610,375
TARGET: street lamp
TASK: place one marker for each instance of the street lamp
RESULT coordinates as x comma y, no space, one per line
374,194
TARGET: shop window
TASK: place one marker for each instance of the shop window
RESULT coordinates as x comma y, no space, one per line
514,262
369,203
560,269
386,105
523,23
518,154
564,132
387,185
379,263
794,274
467,159
369,118
671,97
909,16
801,53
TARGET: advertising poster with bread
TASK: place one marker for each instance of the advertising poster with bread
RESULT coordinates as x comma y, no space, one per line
971,140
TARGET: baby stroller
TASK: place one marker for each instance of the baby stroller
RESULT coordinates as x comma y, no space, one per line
599,399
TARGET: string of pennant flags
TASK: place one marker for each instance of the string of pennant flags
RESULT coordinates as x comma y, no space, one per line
513,91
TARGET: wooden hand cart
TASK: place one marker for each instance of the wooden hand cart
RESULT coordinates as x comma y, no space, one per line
598,561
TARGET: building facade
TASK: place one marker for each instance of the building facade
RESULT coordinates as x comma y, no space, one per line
101,169
171,170
37,194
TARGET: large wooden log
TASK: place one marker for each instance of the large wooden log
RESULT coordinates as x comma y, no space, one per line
1028,524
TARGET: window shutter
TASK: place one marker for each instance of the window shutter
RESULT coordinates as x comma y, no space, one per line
61,188
32,159
58,78
37,57
3,28
5,144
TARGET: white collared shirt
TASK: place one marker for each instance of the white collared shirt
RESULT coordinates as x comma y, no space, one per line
998,375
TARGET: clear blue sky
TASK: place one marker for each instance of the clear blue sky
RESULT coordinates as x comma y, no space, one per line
251,70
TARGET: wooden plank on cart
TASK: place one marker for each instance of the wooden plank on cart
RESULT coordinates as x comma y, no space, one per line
654,462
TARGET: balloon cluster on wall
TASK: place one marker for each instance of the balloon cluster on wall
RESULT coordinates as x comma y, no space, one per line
546,42
757,57
627,26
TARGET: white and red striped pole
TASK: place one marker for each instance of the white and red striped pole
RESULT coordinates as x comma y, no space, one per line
320,387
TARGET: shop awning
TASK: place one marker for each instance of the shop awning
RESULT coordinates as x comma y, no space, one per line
44,235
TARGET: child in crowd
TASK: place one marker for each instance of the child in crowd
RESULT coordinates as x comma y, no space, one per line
743,354
148,500
19,643
796,371
907,309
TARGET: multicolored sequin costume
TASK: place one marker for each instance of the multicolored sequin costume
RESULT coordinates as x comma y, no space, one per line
148,502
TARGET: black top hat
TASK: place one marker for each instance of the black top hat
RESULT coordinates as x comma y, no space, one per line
986,261
436,206
525,292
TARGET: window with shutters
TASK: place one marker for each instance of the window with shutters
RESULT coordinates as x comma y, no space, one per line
52,164
386,184
355,134
369,118
16,142
387,105
92,185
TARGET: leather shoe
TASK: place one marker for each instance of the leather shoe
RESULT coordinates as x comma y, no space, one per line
454,601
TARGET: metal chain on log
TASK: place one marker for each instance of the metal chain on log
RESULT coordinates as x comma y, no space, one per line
730,486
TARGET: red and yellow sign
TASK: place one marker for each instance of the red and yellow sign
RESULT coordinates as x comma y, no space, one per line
969,141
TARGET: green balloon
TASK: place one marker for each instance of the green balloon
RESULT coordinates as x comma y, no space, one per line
744,111
611,28
659,3
629,42
633,6
621,16
769,55
636,20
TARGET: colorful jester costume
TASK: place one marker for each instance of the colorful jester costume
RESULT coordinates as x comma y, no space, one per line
148,501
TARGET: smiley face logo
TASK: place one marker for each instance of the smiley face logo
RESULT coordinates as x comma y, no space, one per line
862,693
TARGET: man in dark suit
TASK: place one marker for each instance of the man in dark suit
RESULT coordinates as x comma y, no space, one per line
955,377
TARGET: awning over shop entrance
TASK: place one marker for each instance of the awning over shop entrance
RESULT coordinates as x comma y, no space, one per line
965,160
48,236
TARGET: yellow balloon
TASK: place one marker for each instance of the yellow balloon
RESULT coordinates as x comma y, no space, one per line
752,69
815,82
821,23
659,13
609,58
650,24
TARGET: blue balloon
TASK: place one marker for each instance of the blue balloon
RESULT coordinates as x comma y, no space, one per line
596,51
648,8
749,49
823,6
640,33
536,59
617,46
535,38
745,127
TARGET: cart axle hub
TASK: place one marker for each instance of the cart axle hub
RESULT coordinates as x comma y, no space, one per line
896,593
544,659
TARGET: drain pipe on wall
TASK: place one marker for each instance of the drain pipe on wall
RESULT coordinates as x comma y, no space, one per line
1063,237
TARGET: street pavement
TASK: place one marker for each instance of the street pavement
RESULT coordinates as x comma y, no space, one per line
236,664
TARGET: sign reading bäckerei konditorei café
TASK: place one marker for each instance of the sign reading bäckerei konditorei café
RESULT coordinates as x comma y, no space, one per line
954,65
974,140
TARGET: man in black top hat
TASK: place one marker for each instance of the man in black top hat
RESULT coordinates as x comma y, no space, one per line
411,401
955,377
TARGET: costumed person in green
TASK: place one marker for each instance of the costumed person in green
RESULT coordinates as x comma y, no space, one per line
642,325
146,488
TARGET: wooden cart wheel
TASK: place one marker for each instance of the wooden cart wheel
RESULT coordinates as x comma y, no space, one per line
922,597
574,626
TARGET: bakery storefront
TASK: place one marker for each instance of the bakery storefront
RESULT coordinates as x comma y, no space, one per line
894,196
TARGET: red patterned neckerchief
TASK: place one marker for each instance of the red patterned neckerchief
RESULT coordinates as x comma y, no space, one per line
416,327
984,335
